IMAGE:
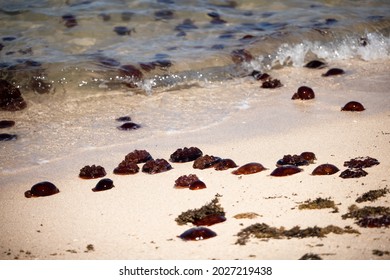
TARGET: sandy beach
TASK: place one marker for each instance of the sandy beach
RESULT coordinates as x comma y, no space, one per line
136,219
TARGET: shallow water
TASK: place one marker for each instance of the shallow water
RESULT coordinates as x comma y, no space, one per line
82,44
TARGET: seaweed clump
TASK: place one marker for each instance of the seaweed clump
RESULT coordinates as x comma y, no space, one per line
359,213
319,203
369,216
194,215
264,231
372,195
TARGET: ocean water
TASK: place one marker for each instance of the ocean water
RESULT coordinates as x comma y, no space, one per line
152,44
168,64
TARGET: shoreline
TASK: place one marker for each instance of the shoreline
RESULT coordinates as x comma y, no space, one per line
136,219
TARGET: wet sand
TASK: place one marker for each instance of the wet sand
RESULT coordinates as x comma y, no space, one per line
136,219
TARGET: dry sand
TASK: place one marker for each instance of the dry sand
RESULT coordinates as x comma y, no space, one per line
136,219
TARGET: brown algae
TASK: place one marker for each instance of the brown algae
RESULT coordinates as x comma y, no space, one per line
372,195
264,231
318,203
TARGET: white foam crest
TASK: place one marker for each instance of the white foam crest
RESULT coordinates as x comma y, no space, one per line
372,46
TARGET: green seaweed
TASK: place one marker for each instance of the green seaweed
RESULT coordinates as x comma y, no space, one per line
359,213
264,231
319,203
193,215
372,195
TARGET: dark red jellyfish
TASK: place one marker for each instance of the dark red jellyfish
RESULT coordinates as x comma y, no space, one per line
103,185
285,170
42,189
353,106
197,185
303,93
197,233
249,168
325,169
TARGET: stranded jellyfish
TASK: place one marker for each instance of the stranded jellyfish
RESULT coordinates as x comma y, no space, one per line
303,93
91,172
6,124
42,189
7,137
325,169
185,181
126,168
309,156
353,173
249,168
285,170
197,185
186,154
225,164
197,233
156,166
129,126
353,106
315,64
205,161
361,162
103,185
10,97
333,72
296,160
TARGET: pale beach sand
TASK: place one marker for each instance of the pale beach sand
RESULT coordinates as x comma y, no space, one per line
136,219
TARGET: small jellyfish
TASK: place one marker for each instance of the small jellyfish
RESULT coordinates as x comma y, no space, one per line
241,55
91,172
123,119
122,30
7,137
197,233
126,168
315,64
103,185
249,168
225,164
333,72
353,106
156,166
69,20
296,160
197,185
271,83
309,156
353,173
185,181
129,126
361,162
186,154
210,220
42,189
285,170
138,156
325,169
205,161
303,93
10,97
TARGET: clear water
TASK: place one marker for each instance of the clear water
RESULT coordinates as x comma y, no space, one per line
83,43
